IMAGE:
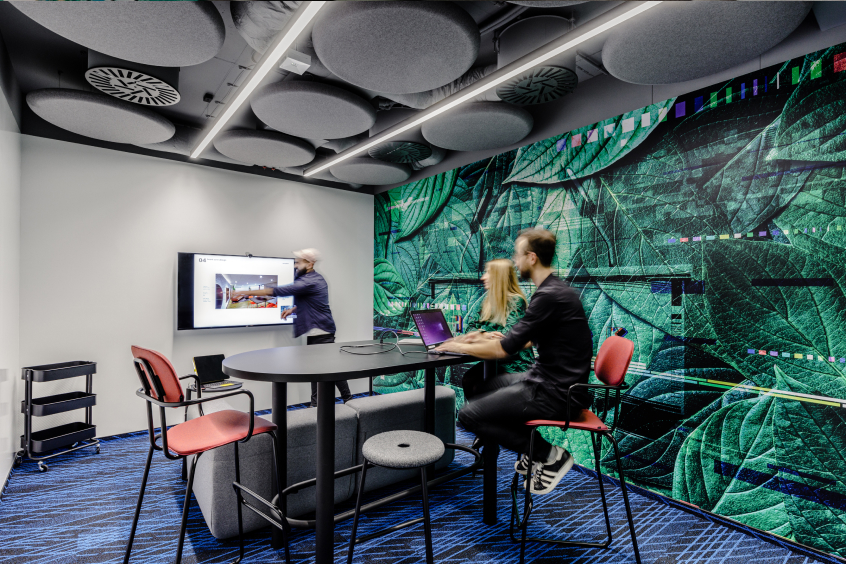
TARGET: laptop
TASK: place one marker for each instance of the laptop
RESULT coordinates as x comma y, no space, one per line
210,371
433,329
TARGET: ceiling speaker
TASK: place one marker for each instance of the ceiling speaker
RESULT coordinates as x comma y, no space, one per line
401,152
538,86
132,86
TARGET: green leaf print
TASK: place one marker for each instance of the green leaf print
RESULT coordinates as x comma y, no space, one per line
421,201
736,437
811,447
390,295
587,150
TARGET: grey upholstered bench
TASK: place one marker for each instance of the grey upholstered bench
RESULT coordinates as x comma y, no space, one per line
402,411
216,470
355,422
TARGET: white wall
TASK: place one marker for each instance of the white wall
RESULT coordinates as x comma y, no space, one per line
10,194
99,237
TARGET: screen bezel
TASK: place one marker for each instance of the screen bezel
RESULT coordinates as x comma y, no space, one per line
185,292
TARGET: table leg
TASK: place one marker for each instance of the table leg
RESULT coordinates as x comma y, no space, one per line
279,408
429,381
429,401
325,487
490,455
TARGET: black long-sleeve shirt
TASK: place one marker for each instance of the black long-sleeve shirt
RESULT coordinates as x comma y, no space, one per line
556,323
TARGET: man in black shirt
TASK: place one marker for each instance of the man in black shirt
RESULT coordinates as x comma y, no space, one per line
555,322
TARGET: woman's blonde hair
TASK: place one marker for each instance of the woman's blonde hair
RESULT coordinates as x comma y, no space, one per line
503,288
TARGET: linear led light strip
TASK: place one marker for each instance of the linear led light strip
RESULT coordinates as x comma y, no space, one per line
494,80
298,22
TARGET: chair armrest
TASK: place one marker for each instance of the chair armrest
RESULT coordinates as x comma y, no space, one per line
199,388
617,388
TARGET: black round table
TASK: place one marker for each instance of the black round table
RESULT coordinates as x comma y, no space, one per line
326,364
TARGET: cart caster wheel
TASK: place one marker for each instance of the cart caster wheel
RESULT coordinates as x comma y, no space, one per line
18,461
42,467
98,449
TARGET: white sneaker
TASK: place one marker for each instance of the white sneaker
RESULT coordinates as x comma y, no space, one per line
546,476
522,465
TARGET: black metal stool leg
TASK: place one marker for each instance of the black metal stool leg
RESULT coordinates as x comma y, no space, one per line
238,502
286,528
597,447
625,495
138,505
191,468
427,526
357,512
527,506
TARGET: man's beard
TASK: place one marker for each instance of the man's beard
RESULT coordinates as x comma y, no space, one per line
525,275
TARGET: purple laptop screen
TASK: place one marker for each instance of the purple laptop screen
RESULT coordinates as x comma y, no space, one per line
432,326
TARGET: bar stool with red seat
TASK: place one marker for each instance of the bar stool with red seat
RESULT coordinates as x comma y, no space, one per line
161,386
610,367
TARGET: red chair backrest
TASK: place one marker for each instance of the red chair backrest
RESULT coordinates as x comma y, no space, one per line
613,360
165,372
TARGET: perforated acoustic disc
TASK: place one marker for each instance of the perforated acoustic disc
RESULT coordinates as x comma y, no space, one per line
538,86
401,152
132,86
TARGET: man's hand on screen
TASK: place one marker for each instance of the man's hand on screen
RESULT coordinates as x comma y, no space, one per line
289,311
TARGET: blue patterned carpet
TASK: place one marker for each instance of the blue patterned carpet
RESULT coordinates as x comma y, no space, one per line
80,511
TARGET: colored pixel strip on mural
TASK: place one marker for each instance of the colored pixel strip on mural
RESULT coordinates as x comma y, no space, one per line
795,356
748,234
755,87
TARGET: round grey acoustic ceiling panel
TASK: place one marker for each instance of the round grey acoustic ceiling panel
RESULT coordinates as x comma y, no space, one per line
396,47
132,86
478,126
99,116
679,41
401,152
364,170
264,148
166,34
538,86
312,110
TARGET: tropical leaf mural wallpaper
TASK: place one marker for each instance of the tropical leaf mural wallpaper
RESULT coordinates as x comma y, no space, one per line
713,228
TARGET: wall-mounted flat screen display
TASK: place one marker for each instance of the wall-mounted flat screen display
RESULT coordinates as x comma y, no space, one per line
206,287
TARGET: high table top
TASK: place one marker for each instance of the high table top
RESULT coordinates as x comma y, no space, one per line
326,362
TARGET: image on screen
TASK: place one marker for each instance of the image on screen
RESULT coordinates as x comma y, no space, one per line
227,284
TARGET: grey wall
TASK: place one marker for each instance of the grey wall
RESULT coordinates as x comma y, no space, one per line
10,194
99,238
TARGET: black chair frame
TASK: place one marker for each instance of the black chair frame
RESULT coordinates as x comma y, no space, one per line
142,367
596,440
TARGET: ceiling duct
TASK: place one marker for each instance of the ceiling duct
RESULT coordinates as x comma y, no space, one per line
409,148
133,82
259,22
541,84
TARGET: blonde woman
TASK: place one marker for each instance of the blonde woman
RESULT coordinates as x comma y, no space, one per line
504,305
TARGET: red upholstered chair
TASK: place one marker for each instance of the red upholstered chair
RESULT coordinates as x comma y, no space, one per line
610,367
161,387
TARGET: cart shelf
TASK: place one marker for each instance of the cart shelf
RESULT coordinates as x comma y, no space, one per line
50,405
61,436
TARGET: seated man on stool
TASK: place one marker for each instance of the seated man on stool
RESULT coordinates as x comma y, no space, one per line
555,322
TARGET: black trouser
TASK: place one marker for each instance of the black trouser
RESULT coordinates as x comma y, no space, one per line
342,385
501,405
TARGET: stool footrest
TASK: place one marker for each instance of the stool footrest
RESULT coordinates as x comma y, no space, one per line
390,529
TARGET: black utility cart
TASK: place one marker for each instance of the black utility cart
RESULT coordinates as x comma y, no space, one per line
37,444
